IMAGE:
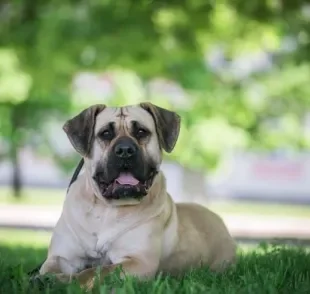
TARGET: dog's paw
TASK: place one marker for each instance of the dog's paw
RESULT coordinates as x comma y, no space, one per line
37,280
41,281
64,278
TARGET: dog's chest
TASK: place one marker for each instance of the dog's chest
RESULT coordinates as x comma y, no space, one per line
103,228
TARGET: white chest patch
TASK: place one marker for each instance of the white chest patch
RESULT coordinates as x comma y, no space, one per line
100,229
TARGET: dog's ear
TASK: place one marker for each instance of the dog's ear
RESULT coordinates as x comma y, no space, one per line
80,129
167,125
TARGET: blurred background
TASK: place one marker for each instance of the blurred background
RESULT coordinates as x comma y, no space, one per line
237,72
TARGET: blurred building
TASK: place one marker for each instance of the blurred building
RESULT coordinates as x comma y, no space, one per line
276,176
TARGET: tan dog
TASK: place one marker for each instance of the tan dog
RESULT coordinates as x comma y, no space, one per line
118,211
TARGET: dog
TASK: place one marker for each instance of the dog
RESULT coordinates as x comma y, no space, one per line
118,213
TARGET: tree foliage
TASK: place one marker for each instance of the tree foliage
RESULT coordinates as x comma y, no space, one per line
45,43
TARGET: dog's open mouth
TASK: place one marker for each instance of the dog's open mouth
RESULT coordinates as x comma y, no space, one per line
125,186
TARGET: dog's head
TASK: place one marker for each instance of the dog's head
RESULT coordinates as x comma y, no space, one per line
122,147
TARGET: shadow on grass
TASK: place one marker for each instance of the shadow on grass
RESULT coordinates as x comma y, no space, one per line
267,269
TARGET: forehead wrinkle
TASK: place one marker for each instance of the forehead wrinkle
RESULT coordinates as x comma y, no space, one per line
106,116
138,114
125,110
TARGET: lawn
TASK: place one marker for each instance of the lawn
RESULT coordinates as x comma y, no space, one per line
55,197
263,269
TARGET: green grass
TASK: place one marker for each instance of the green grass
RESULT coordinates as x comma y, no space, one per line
55,197
264,269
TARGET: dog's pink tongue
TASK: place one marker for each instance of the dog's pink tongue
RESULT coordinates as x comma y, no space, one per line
126,179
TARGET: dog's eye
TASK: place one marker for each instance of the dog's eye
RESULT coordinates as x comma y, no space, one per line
141,133
105,135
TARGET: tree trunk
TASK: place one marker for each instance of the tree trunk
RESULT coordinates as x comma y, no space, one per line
16,183
16,174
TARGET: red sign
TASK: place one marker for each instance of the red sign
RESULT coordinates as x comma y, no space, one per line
278,170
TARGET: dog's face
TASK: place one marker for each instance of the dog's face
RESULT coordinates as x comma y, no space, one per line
122,147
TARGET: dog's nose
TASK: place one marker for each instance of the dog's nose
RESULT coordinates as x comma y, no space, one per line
125,150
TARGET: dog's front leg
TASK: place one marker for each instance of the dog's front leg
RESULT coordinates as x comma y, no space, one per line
132,266
65,272
137,252
60,267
